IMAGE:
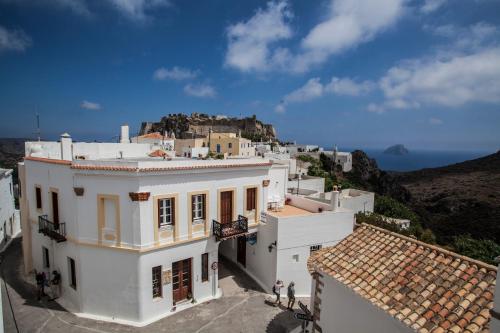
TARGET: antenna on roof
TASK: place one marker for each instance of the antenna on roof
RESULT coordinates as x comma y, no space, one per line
38,132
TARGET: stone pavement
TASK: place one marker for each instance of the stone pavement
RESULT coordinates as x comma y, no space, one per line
241,309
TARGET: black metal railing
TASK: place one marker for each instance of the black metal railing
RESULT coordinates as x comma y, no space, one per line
230,229
56,231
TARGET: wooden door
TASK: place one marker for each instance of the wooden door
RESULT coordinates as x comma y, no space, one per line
181,279
242,250
226,207
55,208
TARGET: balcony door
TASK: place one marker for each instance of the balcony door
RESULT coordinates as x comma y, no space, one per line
55,209
181,280
226,207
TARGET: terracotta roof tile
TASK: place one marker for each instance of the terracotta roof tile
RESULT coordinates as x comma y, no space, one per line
427,288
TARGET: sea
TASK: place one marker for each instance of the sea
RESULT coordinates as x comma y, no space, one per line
420,159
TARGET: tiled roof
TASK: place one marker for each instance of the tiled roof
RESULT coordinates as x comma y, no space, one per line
424,286
154,135
173,168
158,153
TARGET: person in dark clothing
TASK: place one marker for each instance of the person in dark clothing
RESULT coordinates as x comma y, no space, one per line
276,290
56,280
291,295
40,284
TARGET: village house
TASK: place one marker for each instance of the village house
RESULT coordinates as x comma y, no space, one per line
379,281
230,145
9,215
137,237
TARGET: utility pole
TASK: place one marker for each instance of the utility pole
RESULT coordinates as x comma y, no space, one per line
38,132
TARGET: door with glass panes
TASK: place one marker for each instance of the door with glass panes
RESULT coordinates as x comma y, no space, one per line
181,280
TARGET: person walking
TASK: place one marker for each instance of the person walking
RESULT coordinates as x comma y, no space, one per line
276,290
40,284
54,286
291,296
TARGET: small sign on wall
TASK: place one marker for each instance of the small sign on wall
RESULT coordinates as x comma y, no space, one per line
166,277
263,217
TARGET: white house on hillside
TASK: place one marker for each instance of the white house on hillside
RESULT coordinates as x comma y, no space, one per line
137,237
9,215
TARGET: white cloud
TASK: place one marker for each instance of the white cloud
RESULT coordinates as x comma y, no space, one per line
137,9
346,86
430,6
351,23
375,108
200,90
176,73
451,82
315,89
249,41
90,106
14,40
466,39
435,121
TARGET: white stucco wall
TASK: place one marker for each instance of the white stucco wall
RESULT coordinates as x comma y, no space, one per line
316,184
296,234
343,311
9,216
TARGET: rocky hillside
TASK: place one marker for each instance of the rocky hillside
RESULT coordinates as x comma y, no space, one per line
11,152
198,124
459,198
462,198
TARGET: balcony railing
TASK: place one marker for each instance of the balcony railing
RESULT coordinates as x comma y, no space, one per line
228,230
56,231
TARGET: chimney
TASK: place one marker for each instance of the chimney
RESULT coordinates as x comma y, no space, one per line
495,312
66,147
124,137
334,201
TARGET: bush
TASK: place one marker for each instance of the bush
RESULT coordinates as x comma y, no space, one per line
392,208
481,249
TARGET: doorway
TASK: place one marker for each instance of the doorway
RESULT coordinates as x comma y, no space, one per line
181,280
226,207
241,250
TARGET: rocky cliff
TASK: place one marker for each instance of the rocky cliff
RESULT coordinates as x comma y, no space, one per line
198,125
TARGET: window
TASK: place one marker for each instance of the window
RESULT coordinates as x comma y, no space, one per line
46,260
230,145
157,289
251,198
295,258
204,267
198,207
166,212
218,148
72,273
314,248
38,193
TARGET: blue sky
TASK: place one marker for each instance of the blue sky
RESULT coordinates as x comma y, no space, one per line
349,72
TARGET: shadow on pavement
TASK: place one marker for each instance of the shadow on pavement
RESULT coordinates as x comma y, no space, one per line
12,270
227,268
283,322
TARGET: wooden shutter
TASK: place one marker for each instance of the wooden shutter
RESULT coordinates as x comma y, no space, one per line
204,196
172,205
158,203
192,208
204,267
38,192
251,198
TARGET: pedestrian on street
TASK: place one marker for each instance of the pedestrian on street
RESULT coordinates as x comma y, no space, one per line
276,290
291,296
40,284
54,286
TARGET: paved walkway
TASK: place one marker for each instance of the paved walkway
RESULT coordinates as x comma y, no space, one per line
241,309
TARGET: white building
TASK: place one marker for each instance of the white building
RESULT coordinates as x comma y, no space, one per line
9,215
156,138
341,158
356,200
137,238
378,281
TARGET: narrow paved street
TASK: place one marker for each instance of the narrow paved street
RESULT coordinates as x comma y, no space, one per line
241,309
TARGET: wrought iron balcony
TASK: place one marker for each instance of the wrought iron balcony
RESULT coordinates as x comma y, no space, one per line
56,231
232,229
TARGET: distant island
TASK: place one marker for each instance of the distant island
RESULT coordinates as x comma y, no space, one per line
396,150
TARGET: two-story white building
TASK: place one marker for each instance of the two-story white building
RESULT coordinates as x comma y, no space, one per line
9,215
137,237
